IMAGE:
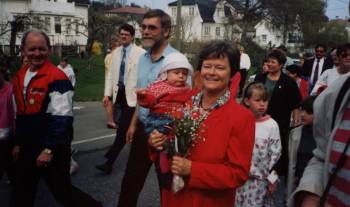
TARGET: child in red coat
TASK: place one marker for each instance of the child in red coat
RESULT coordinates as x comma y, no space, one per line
165,98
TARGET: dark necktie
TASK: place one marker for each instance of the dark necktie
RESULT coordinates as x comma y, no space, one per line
316,72
122,69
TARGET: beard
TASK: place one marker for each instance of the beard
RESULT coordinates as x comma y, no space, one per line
153,43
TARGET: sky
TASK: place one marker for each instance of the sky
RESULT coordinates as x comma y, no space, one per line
335,7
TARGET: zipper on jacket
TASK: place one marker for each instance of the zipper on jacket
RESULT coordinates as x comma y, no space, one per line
25,98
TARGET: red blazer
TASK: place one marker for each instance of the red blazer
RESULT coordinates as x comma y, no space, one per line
219,164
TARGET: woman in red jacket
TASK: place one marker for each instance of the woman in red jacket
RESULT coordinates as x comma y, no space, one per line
220,162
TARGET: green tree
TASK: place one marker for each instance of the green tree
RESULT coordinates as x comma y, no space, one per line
332,34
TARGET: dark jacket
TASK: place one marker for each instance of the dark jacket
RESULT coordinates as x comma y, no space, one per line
307,67
284,99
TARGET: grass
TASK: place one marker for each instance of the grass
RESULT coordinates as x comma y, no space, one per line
90,79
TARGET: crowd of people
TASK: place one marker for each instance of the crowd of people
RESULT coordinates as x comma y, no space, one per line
289,126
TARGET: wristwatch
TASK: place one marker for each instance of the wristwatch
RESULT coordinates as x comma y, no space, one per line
47,151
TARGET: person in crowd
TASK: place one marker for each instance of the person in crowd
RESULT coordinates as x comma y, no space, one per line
7,122
111,120
294,71
325,180
120,87
166,98
24,60
289,60
220,163
284,100
244,67
301,144
155,31
262,180
69,71
305,56
333,74
44,117
313,68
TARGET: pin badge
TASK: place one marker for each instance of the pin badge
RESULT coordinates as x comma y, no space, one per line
31,101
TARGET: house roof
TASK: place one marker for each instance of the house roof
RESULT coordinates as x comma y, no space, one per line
82,1
128,10
184,3
206,8
343,22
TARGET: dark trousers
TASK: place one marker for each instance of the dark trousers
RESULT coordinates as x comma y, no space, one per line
136,170
56,176
243,73
6,162
126,114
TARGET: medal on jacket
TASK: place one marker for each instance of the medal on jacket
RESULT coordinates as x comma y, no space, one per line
31,101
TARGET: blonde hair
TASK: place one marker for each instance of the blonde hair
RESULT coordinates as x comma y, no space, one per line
248,92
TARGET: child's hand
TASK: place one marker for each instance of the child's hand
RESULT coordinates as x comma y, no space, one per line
140,91
156,140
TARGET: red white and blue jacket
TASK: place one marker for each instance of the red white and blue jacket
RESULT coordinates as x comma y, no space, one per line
45,115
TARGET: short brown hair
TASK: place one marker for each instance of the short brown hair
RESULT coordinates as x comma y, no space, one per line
165,20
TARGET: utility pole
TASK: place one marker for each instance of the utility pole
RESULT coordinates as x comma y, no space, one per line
178,25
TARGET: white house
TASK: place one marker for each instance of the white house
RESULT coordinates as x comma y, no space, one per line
267,35
64,21
206,19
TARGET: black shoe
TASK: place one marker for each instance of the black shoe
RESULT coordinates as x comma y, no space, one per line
106,168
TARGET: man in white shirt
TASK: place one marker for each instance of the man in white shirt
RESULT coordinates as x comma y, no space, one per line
329,76
313,68
244,67
68,70
120,86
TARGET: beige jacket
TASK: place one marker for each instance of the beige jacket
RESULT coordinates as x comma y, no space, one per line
112,77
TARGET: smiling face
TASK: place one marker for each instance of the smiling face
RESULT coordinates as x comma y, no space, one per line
215,74
273,66
344,62
36,49
153,35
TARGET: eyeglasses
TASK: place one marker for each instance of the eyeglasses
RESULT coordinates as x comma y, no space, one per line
149,27
124,34
345,55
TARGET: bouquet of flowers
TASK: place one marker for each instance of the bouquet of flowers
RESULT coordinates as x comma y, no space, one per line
187,134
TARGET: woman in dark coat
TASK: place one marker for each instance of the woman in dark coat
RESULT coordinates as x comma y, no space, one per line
284,100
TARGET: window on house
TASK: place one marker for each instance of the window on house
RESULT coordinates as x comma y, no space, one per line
68,26
217,31
191,11
219,12
77,26
20,24
206,30
264,38
173,12
58,28
48,24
